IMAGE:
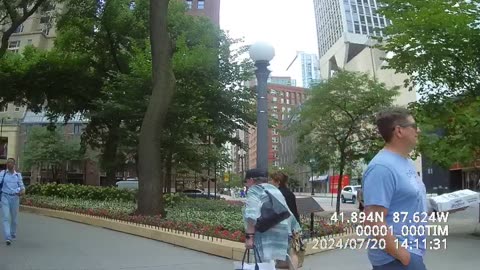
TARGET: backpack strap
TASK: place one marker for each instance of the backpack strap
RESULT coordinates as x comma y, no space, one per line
3,178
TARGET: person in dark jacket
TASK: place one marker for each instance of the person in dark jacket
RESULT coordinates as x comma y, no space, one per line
280,180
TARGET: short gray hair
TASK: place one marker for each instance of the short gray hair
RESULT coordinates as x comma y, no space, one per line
260,180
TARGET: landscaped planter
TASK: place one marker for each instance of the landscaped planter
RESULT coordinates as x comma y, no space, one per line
210,245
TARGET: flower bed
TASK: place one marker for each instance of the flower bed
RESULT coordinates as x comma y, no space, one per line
214,218
219,223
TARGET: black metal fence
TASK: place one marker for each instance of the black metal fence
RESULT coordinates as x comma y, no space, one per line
325,227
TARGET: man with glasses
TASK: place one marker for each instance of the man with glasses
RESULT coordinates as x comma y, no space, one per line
391,186
12,188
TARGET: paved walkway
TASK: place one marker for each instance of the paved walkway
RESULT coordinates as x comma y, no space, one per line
53,244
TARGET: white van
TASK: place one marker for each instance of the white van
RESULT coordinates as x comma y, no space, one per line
129,183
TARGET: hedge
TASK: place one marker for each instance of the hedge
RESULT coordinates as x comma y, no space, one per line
95,193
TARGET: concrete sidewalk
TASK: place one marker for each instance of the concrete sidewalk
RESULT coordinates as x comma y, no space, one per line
53,244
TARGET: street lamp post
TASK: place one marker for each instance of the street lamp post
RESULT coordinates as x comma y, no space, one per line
262,53
311,170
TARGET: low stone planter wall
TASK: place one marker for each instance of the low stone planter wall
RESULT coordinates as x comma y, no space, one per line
214,246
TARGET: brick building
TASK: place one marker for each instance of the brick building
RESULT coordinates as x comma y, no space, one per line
282,101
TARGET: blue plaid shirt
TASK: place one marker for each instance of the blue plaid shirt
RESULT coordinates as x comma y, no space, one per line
272,244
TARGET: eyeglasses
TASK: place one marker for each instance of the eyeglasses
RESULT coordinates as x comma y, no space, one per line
413,125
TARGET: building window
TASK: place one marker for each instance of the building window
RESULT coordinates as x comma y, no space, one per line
17,109
282,101
201,4
29,42
45,19
189,4
14,46
288,101
77,129
19,29
274,99
46,30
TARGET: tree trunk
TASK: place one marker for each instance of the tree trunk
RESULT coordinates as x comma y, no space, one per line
109,155
339,184
168,173
149,149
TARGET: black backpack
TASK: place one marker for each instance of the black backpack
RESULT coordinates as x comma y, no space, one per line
1,183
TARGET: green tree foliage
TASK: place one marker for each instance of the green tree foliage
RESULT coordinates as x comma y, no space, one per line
450,133
103,57
437,43
47,148
336,125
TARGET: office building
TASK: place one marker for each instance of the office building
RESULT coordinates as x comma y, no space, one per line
345,30
304,69
351,21
208,8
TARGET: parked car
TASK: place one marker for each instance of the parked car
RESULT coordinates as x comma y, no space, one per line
198,193
129,183
349,193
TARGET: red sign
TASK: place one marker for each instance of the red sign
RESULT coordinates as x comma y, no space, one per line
334,182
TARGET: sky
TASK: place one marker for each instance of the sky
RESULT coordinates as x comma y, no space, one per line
288,25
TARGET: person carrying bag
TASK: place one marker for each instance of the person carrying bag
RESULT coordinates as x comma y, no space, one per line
258,265
268,221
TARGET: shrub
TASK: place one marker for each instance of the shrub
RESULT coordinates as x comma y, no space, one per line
82,192
174,199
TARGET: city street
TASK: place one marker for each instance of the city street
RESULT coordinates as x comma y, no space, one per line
53,244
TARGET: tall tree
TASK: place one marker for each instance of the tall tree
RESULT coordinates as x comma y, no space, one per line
150,164
337,120
14,13
437,44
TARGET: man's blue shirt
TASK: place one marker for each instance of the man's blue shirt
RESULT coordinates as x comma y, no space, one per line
12,182
391,181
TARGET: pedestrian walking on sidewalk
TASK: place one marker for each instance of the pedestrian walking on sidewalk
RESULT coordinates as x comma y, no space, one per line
391,187
272,244
280,180
12,188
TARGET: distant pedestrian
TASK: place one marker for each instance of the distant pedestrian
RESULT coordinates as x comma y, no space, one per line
12,188
361,203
